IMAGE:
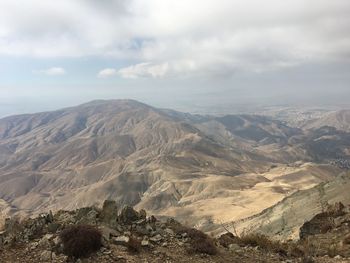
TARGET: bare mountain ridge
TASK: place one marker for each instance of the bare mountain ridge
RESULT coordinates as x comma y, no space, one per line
337,119
167,162
284,220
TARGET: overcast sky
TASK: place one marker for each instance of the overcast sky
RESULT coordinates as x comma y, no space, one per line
183,54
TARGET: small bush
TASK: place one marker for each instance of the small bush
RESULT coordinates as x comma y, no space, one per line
134,245
227,239
80,240
263,242
201,243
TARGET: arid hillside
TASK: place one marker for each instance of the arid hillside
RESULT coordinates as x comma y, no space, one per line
201,169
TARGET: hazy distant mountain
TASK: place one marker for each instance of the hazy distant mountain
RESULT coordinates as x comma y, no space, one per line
170,163
339,120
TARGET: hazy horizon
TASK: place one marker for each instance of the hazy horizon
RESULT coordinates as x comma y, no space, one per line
185,55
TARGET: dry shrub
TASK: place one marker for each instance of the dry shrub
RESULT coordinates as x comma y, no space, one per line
227,239
134,245
201,243
80,240
263,242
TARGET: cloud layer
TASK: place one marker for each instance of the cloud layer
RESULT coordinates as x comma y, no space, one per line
54,71
166,38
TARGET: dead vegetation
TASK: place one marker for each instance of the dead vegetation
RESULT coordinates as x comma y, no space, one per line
80,240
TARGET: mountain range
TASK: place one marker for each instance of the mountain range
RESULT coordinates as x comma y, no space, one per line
204,170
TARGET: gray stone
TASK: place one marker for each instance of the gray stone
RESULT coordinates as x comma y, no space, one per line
145,243
121,240
56,241
142,214
156,238
128,215
234,247
87,216
169,231
33,245
46,256
45,241
109,213
107,232
53,227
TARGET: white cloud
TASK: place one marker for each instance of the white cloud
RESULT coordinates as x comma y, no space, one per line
107,72
54,71
184,36
145,70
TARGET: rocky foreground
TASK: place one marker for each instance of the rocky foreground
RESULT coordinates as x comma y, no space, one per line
106,235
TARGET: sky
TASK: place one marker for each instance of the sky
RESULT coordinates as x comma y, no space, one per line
186,54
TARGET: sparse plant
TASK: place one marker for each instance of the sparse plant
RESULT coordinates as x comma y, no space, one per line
264,242
201,243
79,241
227,239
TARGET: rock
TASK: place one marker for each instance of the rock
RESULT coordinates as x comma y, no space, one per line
142,230
109,213
127,233
121,240
33,245
107,232
169,231
56,241
180,243
145,243
234,247
152,220
149,228
46,256
105,243
87,216
128,215
53,227
142,214
48,217
227,239
141,222
156,238
45,241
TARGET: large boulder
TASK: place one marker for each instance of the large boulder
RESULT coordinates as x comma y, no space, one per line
129,215
87,216
109,213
